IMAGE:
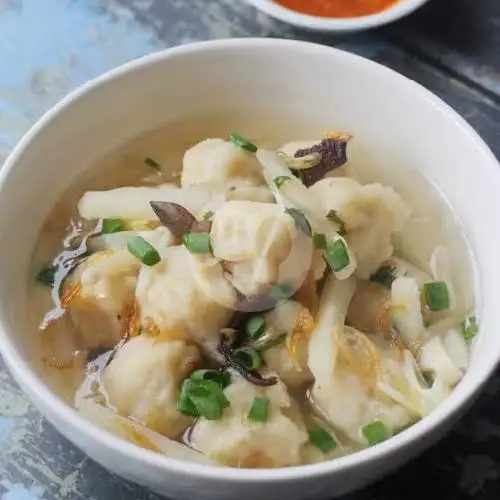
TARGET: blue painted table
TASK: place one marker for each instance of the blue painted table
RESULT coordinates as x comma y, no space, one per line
48,47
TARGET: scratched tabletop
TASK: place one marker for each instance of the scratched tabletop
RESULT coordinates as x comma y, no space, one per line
48,47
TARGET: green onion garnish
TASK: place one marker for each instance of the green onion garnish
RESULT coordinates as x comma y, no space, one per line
110,226
153,164
273,342
184,404
469,328
336,255
384,276
208,215
46,276
255,327
197,242
202,398
143,251
259,410
333,216
279,181
375,433
248,357
300,220
221,378
243,143
322,439
436,296
319,241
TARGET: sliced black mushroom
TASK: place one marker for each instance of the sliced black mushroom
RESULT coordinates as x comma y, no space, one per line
251,376
331,153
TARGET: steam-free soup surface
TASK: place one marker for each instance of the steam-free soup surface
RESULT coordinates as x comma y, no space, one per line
259,300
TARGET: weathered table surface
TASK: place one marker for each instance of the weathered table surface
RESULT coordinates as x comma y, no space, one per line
48,47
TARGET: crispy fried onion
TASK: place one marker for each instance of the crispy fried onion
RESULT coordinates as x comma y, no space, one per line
71,292
131,321
307,294
359,355
298,340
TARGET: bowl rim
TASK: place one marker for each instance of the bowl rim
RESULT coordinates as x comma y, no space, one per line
394,12
32,384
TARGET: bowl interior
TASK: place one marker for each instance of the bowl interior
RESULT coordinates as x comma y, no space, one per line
304,90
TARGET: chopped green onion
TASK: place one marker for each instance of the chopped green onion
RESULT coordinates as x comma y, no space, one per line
255,327
336,255
110,226
279,181
385,275
470,328
333,216
259,410
153,164
273,342
248,357
221,378
243,143
322,439
143,251
300,220
280,292
46,276
436,296
208,215
202,398
319,241
197,242
376,432
184,404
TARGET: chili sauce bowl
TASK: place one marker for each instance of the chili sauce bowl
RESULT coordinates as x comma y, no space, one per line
332,87
398,10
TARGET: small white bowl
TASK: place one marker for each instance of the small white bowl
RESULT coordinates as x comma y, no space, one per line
400,9
394,121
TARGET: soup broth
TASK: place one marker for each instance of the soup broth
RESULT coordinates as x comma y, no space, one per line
352,350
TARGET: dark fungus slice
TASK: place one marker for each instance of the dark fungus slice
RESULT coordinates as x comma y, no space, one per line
173,216
254,303
178,219
201,226
333,154
253,377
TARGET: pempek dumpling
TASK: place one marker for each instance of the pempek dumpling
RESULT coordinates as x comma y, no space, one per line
143,380
185,296
371,215
238,441
221,164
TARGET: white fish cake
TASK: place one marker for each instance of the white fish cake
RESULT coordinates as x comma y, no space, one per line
143,381
255,240
237,441
105,285
371,213
219,163
185,297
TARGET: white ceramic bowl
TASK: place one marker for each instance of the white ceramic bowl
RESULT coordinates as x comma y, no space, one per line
400,9
395,121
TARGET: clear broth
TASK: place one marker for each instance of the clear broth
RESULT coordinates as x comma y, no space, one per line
432,222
